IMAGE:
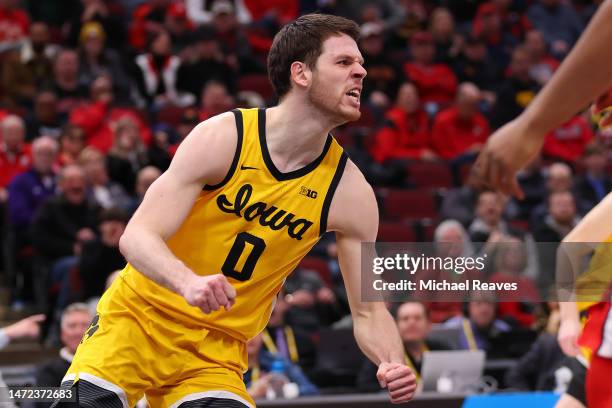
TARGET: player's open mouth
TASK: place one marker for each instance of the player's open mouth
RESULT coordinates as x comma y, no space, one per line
354,93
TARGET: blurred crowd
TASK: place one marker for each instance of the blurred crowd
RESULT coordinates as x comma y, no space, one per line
96,96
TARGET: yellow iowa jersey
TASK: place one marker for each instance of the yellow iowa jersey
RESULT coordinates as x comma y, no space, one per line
593,284
254,227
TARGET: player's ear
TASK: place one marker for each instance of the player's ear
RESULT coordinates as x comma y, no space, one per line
300,74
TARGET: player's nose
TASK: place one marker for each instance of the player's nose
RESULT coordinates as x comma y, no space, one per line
359,71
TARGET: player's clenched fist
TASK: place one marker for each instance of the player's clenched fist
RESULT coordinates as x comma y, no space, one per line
399,381
209,293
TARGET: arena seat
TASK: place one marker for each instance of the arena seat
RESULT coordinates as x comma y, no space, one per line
429,174
170,115
396,232
409,204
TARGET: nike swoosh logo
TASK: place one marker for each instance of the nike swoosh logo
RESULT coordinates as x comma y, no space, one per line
248,168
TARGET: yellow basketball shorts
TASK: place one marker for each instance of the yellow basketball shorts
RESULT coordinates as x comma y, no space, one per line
132,349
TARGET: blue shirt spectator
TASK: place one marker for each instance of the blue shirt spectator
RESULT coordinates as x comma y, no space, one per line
559,23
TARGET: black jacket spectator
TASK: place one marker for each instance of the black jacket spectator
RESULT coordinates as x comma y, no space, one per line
56,224
535,371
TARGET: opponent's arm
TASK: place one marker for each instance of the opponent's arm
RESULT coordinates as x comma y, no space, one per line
583,76
589,232
204,157
374,327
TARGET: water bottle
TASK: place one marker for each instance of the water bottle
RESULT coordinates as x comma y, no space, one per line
278,379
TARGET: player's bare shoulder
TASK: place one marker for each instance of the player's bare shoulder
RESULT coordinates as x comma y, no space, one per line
353,209
207,152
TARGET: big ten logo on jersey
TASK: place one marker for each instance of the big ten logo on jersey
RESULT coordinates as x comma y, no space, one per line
308,192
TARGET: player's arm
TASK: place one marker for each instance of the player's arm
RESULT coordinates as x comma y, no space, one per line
204,157
584,75
589,232
374,327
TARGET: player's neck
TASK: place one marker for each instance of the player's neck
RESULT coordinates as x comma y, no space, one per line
295,134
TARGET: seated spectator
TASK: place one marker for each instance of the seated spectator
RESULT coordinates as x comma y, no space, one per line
538,369
386,13
459,203
102,12
291,343
180,29
26,69
560,219
475,65
515,307
488,25
74,322
215,100
15,155
450,239
480,325
45,120
101,257
489,229
516,91
98,117
406,133
312,302
65,83
61,227
595,183
14,23
385,75
156,74
205,64
146,177
448,42
30,189
559,23
102,191
72,142
460,130
199,11
567,142
436,82
413,325
127,156
559,178
543,65
257,377
147,20
97,60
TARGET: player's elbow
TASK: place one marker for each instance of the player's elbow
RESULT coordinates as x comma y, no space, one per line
124,244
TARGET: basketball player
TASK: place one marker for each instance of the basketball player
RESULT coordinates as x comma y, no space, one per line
247,195
582,77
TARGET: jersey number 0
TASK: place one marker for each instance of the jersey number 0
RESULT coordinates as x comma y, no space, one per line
229,266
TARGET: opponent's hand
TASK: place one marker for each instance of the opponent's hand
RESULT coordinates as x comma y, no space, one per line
209,293
506,152
399,380
569,330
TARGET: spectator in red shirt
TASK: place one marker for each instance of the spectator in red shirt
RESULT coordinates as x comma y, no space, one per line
147,20
436,82
460,129
97,118
567,142
406,133
510,264
14,153
14,22
543,65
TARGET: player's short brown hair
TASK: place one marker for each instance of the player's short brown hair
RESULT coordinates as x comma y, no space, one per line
302,40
